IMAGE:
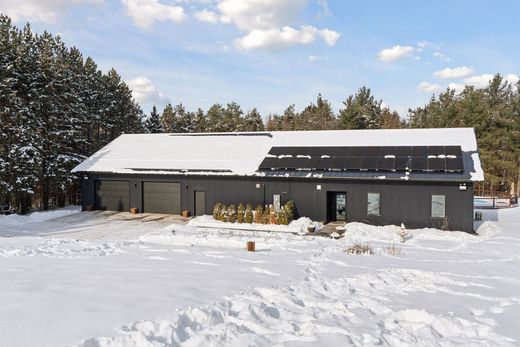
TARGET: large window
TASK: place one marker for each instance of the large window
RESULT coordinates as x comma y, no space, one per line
373,205
438,206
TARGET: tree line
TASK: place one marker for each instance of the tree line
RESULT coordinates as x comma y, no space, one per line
57,108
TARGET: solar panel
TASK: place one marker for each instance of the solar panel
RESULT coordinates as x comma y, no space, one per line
454,164
402,164
436,164
269,163
331,164
358,151
353,163
435,150
419,164
453,150
281,151
371,163
386,164
386,150
403,151
372,151
419,151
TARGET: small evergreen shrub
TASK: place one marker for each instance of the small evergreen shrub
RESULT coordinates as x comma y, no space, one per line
223,213
232,214
265,216
282,218
217,210
240,213
289,210
272,216
249,214
259,211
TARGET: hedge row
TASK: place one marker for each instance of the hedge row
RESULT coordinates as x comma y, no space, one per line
259,215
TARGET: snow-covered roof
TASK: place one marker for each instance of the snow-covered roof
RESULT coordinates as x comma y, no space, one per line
242,153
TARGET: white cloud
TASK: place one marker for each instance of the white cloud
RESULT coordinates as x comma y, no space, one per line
395,53
330,36
277,38
457,87
441,56
269,24
145,12
39,10
207,16
261,14
513,79
428,87
144,91
479,81
456,72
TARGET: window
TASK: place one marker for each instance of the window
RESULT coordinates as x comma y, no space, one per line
438,206
373,204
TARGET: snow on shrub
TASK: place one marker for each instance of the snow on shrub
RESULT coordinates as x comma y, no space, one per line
249,214
392,250
232,214
259,211
217,210
240,213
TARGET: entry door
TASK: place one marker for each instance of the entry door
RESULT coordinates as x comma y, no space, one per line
337,206
200,203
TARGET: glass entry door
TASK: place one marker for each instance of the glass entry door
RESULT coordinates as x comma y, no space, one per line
336,206
341,206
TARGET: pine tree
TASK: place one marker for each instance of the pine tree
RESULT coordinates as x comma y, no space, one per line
362,111
215,119
153,123
200,121
252,121
168,120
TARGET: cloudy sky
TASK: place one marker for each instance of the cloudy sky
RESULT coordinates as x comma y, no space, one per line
272,53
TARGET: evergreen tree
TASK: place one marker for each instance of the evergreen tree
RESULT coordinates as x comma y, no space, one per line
362,111
215,119
252,121
200,121
168,120
317,116
153,123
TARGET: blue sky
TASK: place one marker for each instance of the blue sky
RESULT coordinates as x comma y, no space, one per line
272,53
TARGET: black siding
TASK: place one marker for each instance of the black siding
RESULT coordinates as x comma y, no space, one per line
401,201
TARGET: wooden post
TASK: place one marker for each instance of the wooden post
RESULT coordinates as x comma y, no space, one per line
250,246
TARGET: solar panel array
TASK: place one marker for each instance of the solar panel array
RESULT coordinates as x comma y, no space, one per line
373,158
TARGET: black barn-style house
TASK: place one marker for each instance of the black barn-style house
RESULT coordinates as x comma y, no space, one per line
419,177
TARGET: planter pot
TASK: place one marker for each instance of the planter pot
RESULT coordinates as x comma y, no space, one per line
134,210
311,228
185,213
250,246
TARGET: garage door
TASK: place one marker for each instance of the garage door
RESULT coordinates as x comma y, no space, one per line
160,197
112,195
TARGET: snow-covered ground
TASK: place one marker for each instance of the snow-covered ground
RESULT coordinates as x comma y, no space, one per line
102,279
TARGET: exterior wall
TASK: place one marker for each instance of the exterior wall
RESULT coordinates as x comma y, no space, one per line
400,201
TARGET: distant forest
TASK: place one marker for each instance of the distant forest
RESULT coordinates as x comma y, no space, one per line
57,108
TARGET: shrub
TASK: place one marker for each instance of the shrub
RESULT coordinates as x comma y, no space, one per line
248,215
358,249
259,211
232,214
217,210
393,250
272,216
240,213
289,210
265,216
223,213
282,217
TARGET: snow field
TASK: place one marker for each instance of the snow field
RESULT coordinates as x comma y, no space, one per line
93,274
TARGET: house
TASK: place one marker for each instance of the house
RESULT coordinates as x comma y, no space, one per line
419,177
